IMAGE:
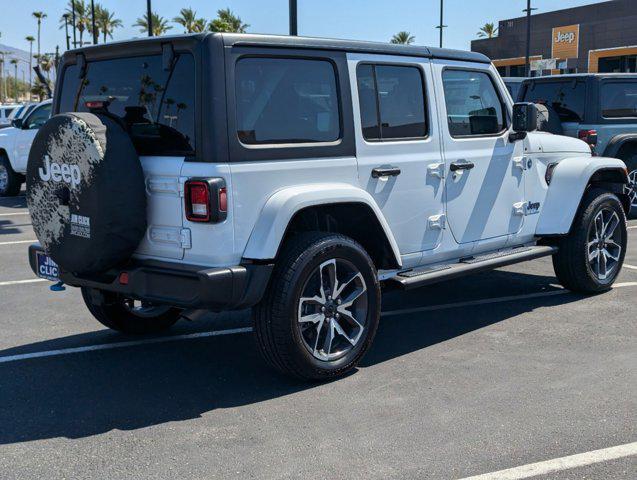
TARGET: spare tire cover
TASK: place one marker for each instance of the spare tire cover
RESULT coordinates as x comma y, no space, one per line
86,192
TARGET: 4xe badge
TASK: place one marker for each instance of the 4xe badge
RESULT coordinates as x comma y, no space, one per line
57,172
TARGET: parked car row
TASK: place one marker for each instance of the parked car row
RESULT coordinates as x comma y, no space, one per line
15,144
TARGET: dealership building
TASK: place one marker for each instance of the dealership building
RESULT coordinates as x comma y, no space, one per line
593,38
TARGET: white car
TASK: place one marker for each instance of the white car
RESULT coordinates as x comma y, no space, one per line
299,176
5,112
15,144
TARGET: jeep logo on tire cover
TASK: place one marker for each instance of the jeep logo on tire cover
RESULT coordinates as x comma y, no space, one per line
60,172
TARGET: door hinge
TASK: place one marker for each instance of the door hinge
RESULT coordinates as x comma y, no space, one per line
186,238
437,222
436,170
519,162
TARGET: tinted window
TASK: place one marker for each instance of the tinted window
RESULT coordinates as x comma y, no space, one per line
619,100
157,105
514,89
566,98
392,102
284,100
38,117
473,104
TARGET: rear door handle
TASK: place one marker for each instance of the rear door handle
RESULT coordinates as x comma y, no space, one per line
462,165
386,172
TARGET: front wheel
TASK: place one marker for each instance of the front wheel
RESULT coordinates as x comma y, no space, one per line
590,258
631,187
321,310
127,315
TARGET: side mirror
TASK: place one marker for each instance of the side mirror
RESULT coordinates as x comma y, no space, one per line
16,123
525,117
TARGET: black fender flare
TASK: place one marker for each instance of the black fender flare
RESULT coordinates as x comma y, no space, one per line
617,142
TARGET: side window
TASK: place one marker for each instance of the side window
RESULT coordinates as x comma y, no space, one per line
38,117
286,100
566,98
619,100
473,104
392,102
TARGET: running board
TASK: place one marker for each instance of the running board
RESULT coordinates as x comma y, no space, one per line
421,276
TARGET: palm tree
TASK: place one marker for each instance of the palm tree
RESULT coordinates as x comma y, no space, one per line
47,62
187,18
489,30
14,62
404,38
82,18
199,25
160,24
30,39
39,90
106,22
227,21
39,16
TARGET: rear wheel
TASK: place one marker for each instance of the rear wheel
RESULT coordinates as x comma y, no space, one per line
127,315
321,310
590,258
10,181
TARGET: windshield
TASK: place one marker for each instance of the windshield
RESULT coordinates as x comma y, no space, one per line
156,105
567,98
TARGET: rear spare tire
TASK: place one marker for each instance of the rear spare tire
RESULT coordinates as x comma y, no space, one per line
85,192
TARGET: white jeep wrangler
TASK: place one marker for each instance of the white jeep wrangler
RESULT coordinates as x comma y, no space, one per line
298,176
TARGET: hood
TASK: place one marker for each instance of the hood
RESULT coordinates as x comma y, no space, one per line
544,142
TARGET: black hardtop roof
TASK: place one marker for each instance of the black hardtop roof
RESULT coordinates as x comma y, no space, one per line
132,46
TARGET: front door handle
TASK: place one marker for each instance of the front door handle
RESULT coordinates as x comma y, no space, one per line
462,165
385,172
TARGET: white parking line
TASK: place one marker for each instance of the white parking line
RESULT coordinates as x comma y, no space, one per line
632,226
20,282
13,214
109,346
132,343
560,464
17,242
630,266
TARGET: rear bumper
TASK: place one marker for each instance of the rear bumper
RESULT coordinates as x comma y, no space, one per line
186,286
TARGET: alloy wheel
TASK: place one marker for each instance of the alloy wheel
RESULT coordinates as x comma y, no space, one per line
332,311
4,178
631,189
604,244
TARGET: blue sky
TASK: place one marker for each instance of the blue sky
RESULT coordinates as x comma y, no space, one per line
355,19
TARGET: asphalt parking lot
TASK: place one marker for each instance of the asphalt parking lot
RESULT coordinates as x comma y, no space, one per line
491,372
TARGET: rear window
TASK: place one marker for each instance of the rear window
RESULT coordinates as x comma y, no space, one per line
566,98
619,99
286,100
157,105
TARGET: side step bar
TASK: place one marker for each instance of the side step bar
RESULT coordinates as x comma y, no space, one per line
419,277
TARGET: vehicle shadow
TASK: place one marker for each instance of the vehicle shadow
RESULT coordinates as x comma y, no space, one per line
14,202
85,394
8,227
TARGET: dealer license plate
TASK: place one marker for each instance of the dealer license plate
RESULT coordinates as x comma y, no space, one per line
47,268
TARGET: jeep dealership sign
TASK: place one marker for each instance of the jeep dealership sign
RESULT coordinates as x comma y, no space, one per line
565,43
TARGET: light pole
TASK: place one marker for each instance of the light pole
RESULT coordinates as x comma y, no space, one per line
66,29
149,15
73,18
442,25
294,20
93,22
528,37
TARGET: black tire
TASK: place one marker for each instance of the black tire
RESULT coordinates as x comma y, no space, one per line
10,181
281,336
571,263
111,311
631,188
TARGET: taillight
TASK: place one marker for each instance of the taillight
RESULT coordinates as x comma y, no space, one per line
589,136
206,200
